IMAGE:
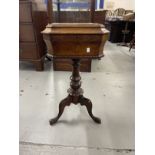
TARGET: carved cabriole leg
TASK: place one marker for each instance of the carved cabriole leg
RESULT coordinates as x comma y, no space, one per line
65,102
86,102
75,95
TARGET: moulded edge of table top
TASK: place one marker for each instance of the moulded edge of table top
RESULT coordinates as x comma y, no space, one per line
75,28
75,25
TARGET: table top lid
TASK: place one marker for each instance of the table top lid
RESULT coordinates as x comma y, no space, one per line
75,28
74,25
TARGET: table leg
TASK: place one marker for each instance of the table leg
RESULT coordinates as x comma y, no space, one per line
75,95
86,102
65,102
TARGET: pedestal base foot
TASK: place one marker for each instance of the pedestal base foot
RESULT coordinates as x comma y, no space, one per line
79,99
75,95
86,102
65,102
53,120
97,120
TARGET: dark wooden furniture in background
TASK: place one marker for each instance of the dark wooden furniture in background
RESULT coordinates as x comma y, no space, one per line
31,22
116,28
71,41
81,16
121,25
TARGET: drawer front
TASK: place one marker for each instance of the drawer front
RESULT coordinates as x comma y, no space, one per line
26,33
27,51
25,14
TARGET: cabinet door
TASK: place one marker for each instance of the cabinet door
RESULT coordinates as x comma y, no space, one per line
27,51
25,14
26,33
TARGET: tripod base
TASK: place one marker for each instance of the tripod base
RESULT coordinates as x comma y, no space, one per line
75,96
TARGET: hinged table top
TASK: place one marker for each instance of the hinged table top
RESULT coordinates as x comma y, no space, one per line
75,28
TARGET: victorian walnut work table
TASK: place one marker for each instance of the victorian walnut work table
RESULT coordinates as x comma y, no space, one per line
75,41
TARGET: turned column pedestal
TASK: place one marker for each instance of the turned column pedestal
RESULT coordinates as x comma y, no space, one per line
75,95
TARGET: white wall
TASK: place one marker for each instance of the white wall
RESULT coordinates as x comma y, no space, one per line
114,4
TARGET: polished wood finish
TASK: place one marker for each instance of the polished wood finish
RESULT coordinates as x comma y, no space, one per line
92,10
25,50
83,40
58,9
76,42
75,95
31,45
83,17
66,65
26,33
25,13
75,17
49,11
